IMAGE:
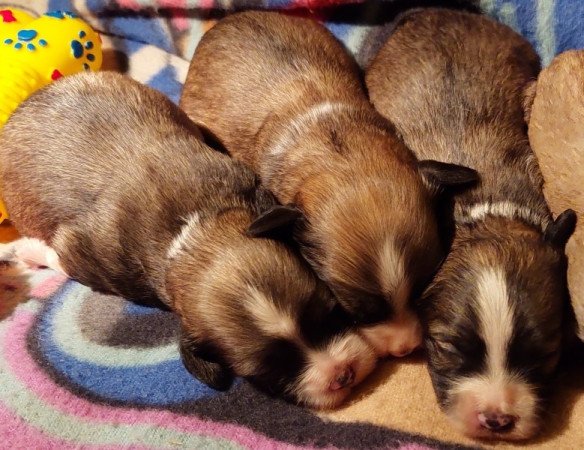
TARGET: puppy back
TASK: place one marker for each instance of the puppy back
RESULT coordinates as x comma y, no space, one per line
452,84
254,65
108,170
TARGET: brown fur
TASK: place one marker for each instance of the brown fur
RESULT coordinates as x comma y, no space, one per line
282,95
115,178
555,110
451,82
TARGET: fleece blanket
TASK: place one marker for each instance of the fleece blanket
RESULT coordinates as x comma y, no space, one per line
83,370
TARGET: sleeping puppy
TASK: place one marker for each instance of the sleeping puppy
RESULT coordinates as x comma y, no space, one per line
113,177
555,113
451,83
282,95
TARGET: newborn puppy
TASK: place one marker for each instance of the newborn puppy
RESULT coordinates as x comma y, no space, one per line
114,178
555,110
451,83
282,95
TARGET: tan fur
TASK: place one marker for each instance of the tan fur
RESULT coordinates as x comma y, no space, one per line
556,134
115,178
282,95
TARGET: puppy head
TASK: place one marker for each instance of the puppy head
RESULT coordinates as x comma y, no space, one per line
316,358
495,316
375,242
260,313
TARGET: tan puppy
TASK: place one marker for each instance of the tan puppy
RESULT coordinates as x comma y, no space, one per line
115,179
451,82
283,96
555,113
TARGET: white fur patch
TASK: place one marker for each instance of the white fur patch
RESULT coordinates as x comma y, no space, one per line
35,252
392,274
303,121
506,395
506,209
496,318
269,318
349,350
178,242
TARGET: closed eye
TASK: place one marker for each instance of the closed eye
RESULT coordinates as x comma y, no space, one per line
458,360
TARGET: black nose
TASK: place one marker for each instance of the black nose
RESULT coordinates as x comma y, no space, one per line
347,377
343,379
500,423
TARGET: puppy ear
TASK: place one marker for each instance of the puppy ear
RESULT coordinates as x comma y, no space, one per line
201,361
560,230
440,176
528,98
274,221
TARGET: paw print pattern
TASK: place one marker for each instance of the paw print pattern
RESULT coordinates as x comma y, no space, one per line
26,38
81,48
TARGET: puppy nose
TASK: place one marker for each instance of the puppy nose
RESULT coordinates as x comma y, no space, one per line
493,421
403,351
409,343
343,379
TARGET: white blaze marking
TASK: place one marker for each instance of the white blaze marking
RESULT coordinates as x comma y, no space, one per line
178,242
496,318
268,317
392,273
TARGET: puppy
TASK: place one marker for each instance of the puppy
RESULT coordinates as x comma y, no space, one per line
113,177
555,113
451,83
282,95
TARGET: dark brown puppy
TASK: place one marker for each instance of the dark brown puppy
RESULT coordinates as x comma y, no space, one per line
451,83
114,178
283,96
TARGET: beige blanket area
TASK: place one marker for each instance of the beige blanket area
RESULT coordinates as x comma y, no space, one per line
400,395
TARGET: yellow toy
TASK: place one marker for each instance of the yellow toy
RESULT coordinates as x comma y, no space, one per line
35,52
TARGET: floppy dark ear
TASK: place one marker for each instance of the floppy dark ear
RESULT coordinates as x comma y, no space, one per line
201,361
273,221
440,176
528,98
560,230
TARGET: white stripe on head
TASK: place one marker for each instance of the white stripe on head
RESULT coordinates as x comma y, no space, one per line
178,242
506,209
392,273
268,317
495,314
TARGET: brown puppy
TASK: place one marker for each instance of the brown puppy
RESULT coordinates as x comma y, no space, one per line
451,83
555,110
114,178
282,95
